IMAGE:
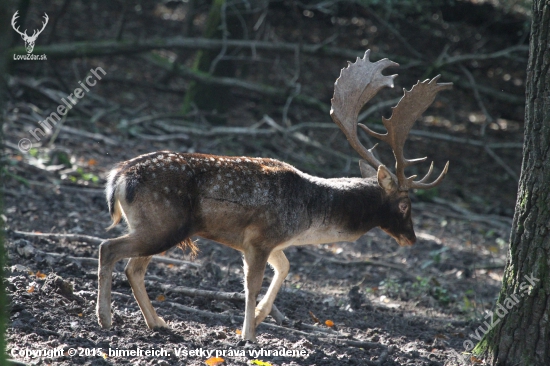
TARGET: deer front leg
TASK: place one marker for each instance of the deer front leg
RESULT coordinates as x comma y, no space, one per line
254,267
135,272
280,266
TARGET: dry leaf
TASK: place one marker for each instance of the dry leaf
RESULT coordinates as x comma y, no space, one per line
104,355
238,331
30,290
314,318
260,363
475,359
41,275
213,361
329,323
79,314
171,265
92,162
161,297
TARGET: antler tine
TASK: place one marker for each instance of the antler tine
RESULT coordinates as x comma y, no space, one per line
357,84
13,21
37,32
404,114
421,185
423,180
46,18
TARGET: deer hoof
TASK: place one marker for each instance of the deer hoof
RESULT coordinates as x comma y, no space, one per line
104,321
160,323
260,315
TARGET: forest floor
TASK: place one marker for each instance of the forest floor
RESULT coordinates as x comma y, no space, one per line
387,305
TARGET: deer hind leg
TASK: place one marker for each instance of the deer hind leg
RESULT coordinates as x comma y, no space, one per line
135,272
110,252
254,267
127,246
280,264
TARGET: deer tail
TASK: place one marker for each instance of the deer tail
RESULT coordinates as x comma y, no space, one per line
112,201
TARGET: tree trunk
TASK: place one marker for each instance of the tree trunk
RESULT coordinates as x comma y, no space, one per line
522,335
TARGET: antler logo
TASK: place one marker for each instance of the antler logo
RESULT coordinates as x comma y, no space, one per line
29,41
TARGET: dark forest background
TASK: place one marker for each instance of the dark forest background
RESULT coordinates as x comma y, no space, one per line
255,78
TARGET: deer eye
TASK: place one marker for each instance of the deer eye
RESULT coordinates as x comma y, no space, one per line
403,207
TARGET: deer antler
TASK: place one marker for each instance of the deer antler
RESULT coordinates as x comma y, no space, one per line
36,33
24,34
358,83
404,114
13,20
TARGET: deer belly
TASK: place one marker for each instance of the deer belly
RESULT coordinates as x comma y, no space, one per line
319,235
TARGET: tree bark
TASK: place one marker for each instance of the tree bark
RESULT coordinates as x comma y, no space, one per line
522,334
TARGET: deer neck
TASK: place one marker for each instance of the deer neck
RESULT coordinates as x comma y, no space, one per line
340,209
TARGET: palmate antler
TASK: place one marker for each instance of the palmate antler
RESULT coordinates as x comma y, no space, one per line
357,84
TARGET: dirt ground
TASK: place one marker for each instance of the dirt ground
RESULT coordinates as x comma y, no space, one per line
386,305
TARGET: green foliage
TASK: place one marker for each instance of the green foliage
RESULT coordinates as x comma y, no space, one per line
390,288
436,257
5,173
431,287
426,195
80,174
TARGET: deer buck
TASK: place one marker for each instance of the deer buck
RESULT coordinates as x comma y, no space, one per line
262,206
29,41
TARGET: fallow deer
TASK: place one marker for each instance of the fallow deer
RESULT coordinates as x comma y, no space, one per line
262,206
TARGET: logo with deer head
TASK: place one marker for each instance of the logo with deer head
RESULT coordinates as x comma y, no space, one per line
29,40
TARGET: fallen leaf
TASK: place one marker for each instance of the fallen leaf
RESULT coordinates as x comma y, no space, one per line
104,355
161,297
329,323
260,363
171,265
92,162
475,359
314,318
213,361
30,290
79,314
41,275
238,331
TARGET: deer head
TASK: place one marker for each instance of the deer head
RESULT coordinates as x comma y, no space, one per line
357,84
29,40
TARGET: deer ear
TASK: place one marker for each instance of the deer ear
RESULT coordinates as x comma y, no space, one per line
366,169
385,179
